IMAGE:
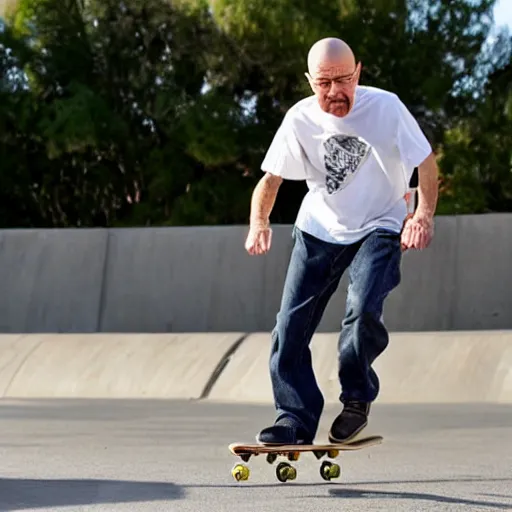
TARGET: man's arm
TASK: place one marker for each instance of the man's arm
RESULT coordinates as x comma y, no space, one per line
263,200
285,160
419,228
428,187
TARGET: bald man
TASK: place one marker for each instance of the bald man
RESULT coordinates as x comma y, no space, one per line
356,147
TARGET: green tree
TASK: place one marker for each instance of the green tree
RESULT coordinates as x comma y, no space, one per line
147,112
124,126
477,164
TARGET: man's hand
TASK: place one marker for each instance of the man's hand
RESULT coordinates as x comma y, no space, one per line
418,232
258,240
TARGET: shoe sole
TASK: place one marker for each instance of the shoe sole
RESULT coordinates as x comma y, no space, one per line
334,440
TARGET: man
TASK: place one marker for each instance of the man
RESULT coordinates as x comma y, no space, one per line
356,147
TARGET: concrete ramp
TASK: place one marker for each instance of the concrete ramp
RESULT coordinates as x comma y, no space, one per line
14,351
438,367
111,366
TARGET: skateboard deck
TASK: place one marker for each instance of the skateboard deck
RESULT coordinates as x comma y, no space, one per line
284,470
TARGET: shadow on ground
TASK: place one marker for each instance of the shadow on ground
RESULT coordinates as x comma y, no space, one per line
416,496
241,485
340,491
18,494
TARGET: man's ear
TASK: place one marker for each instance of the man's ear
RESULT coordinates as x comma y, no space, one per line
310,80
358,67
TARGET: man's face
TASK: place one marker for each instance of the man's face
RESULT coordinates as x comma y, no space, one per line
334,84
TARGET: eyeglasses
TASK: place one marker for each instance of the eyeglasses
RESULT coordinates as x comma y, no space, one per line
326,83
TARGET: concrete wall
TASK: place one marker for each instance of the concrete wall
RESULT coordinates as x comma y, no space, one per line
201,279
51,280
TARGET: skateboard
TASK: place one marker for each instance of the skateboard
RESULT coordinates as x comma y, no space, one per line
284,470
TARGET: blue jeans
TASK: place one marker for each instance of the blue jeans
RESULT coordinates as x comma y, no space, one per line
314,273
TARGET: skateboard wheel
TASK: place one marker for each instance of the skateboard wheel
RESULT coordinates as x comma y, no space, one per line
271,458
285,472
293,456
335,471
240,472
328,470
333,453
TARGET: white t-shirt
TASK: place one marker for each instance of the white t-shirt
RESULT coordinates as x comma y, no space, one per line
357,168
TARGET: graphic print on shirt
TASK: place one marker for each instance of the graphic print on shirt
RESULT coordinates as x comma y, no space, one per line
344,156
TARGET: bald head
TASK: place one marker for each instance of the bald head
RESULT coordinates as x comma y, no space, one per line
333,75
330,51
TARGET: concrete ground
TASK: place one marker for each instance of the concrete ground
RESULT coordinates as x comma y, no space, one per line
124,455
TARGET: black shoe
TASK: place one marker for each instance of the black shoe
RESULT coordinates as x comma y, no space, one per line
284,431
352,420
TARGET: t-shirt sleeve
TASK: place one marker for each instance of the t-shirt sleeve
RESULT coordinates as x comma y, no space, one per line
412,143
285,156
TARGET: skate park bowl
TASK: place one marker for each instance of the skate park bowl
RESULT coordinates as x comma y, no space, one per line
436,367
415,368
187,313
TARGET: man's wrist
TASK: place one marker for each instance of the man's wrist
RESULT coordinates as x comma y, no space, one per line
424,213
259,223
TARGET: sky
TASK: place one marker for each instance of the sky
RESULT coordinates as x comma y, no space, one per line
503,13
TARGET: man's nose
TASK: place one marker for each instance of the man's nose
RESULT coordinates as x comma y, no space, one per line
335,88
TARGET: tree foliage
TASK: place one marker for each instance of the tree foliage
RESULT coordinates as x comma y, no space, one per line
153,112
478,161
